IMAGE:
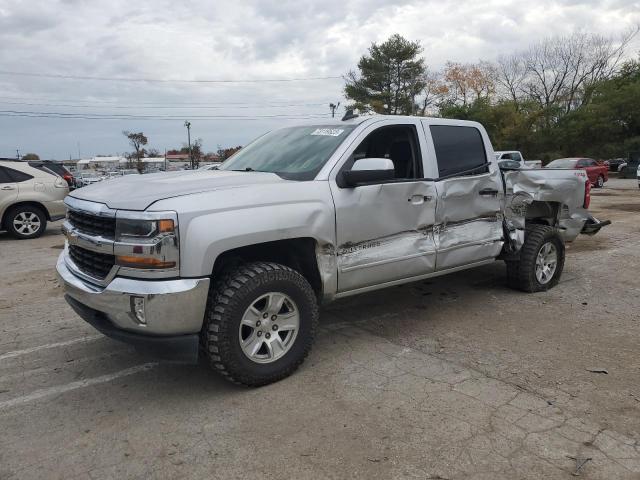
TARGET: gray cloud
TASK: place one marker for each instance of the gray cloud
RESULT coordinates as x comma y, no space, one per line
164,39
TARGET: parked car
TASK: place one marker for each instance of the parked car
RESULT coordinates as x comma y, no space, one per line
517,157
598,173
29,198
57,168
232,264
615,164
630,168
211,166
87,178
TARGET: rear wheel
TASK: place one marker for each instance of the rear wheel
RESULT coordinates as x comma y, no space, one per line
25,222
260,323
600,181
541,260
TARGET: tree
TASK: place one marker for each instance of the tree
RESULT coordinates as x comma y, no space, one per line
196,151
433,93
30,156
389,78
558,72
224,153
137,141
466,83
511,72
609,124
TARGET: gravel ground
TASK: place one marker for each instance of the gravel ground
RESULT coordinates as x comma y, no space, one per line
456,377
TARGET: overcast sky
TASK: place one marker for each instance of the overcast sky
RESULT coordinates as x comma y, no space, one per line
235,40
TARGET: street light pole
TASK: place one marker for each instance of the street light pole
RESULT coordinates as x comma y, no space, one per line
333,107
187,124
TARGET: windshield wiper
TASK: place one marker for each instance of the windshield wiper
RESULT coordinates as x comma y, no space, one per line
247,169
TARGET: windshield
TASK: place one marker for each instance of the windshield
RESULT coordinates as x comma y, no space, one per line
296,153
563,163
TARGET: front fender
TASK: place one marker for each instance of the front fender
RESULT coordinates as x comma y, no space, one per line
212,223
209,236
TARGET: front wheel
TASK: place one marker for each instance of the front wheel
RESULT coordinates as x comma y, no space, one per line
600,181
541,260
260,323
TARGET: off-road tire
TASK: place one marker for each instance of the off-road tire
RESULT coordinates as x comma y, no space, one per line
228,300
15,211
521,273
600,182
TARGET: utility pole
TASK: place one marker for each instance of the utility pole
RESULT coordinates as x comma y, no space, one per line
187,124
334,107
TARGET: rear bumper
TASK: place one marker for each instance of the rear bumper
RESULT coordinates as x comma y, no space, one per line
56,208
593,225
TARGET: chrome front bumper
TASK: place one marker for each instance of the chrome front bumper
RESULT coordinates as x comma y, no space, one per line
172,307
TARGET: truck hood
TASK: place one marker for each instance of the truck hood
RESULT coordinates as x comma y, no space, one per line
138,192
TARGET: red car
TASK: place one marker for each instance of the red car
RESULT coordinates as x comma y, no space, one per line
597,173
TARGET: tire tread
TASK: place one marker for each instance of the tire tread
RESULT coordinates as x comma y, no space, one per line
224,296
521,272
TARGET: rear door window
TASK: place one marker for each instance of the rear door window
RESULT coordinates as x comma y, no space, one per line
17,176
459,150
4,176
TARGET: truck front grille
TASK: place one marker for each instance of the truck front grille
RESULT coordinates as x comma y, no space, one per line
94,264
93,224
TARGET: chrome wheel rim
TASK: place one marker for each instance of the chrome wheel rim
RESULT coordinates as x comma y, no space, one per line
546,263
600,181
26,223
269,327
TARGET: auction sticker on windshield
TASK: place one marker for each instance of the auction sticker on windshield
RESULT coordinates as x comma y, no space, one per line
328,132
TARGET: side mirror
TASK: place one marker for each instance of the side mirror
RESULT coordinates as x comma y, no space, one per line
509,165
369,170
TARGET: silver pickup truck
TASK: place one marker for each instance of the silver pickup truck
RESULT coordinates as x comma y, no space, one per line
231,264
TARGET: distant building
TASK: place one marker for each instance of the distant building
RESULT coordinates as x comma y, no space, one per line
177,157
102,163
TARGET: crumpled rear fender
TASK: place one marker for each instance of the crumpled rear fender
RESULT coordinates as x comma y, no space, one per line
551,196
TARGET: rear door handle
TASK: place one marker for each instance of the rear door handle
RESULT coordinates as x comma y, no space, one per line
488,191
420,199
7,187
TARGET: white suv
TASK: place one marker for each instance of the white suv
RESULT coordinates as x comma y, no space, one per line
29,197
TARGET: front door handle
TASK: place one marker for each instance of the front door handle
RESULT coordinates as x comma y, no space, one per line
7,187
488,191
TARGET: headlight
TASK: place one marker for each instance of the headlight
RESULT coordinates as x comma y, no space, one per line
128,229
147,240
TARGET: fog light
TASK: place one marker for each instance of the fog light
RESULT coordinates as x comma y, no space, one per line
137,308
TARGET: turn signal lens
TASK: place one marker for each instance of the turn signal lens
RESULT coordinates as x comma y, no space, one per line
142,262
165,226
